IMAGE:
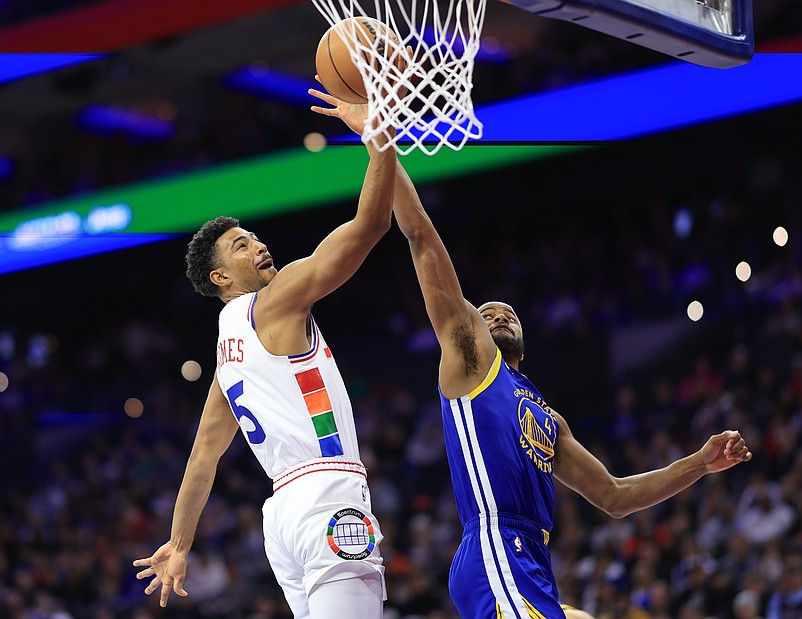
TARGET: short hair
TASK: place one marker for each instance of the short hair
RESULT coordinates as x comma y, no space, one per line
202,256
501,303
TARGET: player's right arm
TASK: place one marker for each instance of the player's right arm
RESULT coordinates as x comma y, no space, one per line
299,284
467,347
168,565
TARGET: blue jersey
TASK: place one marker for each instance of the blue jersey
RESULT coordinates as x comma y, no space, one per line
500,442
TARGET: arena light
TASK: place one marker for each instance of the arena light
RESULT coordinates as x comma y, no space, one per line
134,407
191,370
70,233
315,142
646,102
160,209
259,80
634,104
695,311
19,66
12,260
640,103
6,167
111,120
743,271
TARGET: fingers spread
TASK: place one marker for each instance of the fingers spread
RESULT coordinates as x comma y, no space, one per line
178,587
323,110
165,594
152,586
322,95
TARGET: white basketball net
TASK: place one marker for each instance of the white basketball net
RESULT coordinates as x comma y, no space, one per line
424,93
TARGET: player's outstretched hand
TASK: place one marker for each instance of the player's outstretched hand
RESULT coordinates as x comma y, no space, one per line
168,568
725,450
352,114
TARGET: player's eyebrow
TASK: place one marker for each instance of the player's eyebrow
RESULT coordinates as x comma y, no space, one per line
236,240
499,309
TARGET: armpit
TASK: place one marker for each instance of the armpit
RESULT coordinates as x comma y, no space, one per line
464,340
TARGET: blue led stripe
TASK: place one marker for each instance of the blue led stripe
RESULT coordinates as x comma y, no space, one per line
75,247
644,102
110,120
269,84
641,102
18,66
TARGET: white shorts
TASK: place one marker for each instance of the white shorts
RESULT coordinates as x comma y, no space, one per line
318,519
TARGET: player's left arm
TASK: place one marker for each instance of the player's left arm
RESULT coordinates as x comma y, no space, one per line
581,471
215,432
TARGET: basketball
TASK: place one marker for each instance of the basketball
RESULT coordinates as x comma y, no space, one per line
338,74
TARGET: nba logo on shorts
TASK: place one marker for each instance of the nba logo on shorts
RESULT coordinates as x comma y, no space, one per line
518,546
351,534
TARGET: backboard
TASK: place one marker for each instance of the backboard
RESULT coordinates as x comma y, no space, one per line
712,33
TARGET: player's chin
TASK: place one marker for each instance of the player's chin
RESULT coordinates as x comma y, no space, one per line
508,344
266,275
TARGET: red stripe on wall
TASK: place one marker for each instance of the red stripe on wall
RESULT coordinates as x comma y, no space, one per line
119,24
787,46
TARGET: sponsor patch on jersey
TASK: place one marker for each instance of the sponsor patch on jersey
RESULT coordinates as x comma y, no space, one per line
351,534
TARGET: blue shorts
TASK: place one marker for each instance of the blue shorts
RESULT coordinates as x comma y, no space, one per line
503,569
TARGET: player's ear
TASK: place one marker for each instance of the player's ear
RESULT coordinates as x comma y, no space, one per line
219,278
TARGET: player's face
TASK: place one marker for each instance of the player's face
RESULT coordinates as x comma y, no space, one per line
245,260
505,328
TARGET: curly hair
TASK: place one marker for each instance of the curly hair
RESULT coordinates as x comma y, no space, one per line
202,257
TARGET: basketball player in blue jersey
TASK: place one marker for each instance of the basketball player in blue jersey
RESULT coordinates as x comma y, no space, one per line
505,444
277,381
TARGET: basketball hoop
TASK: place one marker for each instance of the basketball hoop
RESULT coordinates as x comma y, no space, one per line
421,85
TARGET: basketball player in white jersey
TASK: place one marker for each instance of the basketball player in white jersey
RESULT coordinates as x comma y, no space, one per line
277,381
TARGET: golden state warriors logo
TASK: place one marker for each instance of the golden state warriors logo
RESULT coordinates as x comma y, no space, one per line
537,433
351,534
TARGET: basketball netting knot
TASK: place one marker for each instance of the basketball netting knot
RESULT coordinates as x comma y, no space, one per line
420,81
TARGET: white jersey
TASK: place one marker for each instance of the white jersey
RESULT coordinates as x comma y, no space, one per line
290,408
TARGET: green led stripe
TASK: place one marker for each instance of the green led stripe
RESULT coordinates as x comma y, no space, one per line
272,184
324,424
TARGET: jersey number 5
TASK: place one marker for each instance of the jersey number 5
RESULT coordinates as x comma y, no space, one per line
255,436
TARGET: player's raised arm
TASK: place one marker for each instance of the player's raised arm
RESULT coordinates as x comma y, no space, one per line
299,284
467,347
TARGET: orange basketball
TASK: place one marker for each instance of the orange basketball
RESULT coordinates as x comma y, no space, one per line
338,74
